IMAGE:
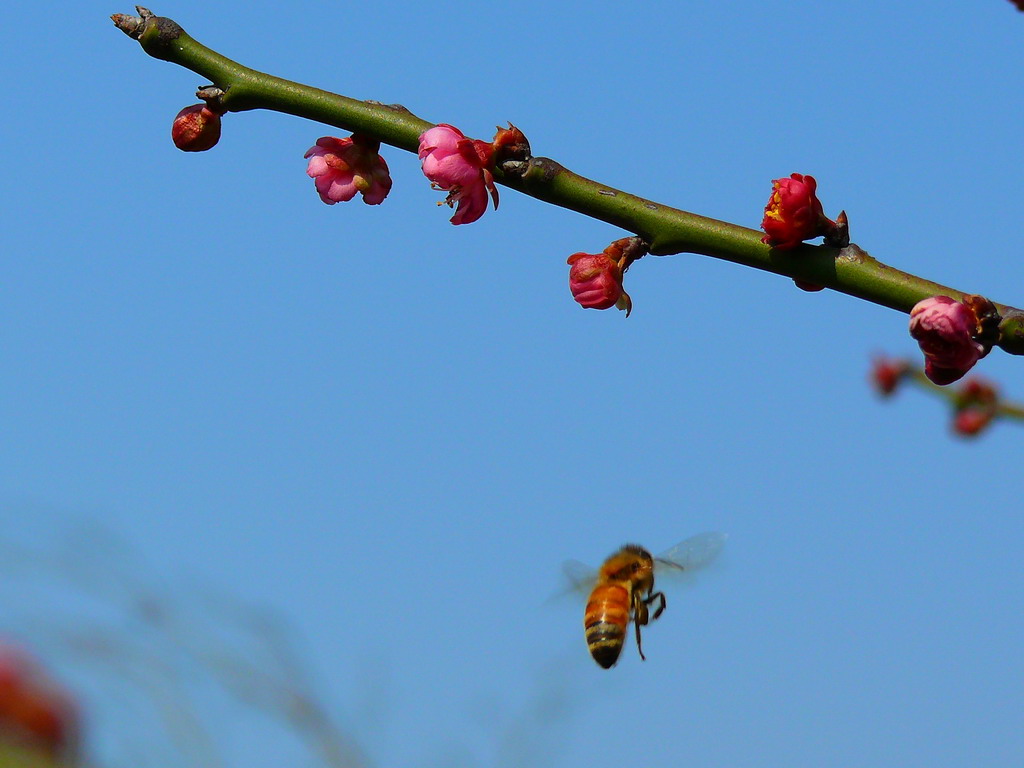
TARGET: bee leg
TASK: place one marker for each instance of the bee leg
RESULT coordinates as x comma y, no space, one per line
640,618
660,597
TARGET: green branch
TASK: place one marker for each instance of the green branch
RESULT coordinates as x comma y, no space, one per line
668,230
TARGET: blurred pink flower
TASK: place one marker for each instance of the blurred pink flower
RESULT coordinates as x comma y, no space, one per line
970,422
976,404
459,166
944,329
886,374
341,167
33,708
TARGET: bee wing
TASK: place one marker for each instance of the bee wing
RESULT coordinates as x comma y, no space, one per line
690,555
578,579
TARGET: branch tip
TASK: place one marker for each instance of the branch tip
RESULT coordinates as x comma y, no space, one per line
133,26
130,25
838,234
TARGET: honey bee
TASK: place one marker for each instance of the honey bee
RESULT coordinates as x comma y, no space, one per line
623,590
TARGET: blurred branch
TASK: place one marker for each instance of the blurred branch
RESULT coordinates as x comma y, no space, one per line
157,678
13,755
165,641
975,402
159,646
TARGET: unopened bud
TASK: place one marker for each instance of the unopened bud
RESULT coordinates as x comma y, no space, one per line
886,374
595,280
510,145
971,421
944,328
196,128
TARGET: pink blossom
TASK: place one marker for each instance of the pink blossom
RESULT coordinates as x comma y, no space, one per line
460,167
944,329
341,167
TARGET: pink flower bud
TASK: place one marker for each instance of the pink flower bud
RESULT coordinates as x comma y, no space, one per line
793,213
342,167
196,129
944,329
460,167
33,708
595,280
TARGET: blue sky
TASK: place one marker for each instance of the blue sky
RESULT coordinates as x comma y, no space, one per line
394,431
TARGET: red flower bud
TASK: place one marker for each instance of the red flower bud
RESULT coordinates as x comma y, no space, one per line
196,129
944,329
595,280
886,374
969,422
793,213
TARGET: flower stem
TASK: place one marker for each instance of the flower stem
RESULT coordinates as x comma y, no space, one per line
849,270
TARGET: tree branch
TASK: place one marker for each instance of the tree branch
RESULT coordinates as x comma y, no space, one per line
667,230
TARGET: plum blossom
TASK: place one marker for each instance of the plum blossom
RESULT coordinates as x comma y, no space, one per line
342,167
944,329
595,280
461,167
794,213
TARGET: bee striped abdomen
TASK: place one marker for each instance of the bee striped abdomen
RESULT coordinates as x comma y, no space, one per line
606,619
